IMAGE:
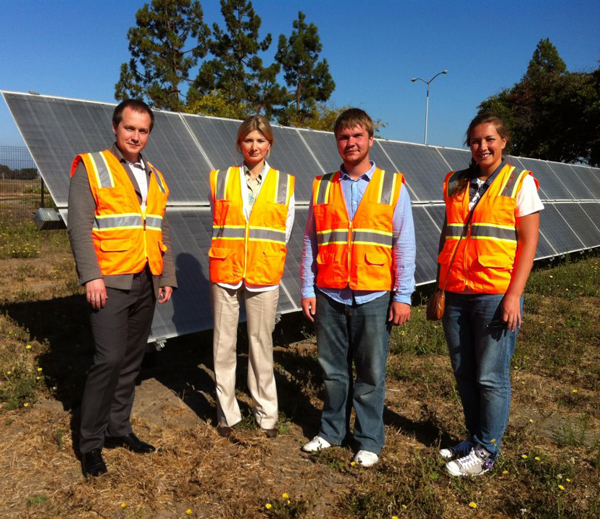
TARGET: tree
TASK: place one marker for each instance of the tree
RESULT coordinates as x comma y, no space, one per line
217,104
161,61
309,79
553,114
237,71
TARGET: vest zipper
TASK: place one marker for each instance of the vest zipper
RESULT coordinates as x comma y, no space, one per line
349,251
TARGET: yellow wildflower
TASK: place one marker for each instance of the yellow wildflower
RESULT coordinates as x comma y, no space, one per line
531,420
188,512
26,404
505,472
574,391
268,506
524,456
9,372
473,504
352,463
28,347
561,487
285,495
537,458
568,480
39,369
404,507
123,505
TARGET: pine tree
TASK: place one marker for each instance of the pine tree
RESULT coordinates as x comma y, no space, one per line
237,71
162,56
308,79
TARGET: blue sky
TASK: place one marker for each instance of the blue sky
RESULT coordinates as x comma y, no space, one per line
75,48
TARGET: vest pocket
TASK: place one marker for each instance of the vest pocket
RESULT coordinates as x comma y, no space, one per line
118,245
375,259
218,253
494,261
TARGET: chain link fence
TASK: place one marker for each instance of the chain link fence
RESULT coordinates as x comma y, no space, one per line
22,190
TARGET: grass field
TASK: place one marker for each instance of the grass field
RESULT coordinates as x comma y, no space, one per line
550,466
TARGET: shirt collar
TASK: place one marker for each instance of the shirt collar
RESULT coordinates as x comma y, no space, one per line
117,153
493,176
365,176
261,175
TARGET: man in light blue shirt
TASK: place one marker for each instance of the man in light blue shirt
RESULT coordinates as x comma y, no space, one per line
353,325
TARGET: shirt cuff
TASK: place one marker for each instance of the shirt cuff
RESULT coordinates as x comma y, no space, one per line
401,298
308,292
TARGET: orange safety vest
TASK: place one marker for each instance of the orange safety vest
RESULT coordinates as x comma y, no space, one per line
356,253
485,256
125,237
253,250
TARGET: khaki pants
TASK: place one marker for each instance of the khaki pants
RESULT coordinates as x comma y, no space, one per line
261,308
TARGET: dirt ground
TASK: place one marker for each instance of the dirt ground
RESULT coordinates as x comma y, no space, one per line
195,472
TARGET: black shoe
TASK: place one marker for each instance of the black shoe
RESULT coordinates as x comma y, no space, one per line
224,430
129,441
93,464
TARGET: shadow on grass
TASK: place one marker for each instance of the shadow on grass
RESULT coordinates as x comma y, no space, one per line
184,366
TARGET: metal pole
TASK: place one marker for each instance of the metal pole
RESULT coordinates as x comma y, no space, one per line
426,113
427,99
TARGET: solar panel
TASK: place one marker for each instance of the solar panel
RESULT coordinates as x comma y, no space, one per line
558,232
187,146
550,185
456,159
423,166
427,234
577,187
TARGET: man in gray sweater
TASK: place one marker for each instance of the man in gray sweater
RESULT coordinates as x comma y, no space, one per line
120,241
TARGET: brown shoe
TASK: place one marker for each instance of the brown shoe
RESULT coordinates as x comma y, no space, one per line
271,433
224,430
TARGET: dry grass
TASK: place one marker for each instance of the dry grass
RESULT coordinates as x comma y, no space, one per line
553,439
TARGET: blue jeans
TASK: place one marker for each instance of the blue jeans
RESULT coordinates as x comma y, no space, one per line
348,334
480,358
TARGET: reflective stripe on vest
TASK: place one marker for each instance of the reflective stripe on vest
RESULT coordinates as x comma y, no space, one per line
125,238
253,249
356,253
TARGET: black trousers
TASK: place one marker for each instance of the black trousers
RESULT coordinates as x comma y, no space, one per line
120,332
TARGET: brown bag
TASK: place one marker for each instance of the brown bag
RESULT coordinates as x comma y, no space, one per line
436,305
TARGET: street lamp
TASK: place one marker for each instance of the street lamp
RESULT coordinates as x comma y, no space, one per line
427,103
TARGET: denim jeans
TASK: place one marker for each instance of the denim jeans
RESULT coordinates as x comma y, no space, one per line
480,358
348,334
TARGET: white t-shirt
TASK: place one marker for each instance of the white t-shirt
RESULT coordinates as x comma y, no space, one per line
528,200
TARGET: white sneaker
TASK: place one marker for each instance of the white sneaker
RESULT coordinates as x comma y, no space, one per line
316,444
476,463
366,459
460,450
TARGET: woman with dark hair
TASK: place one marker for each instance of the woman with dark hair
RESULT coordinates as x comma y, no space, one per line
487,248
253,213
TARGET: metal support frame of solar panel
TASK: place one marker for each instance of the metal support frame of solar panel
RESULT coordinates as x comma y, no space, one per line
187,146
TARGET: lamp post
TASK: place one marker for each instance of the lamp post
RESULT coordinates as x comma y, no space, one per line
427,102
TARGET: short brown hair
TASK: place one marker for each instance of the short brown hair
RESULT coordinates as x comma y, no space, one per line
255,122
136,105
352,118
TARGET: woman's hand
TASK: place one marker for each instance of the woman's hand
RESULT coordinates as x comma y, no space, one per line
511,312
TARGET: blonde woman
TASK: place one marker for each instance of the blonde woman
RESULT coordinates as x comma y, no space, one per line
253,213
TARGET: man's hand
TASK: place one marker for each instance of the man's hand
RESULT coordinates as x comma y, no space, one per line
309,308
95,293
164,294
399,313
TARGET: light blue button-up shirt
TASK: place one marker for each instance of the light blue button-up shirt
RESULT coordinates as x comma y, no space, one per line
404,247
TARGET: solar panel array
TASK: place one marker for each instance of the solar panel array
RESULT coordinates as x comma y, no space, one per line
186,147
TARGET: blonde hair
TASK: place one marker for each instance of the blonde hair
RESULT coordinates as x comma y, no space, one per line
352,118
256,122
